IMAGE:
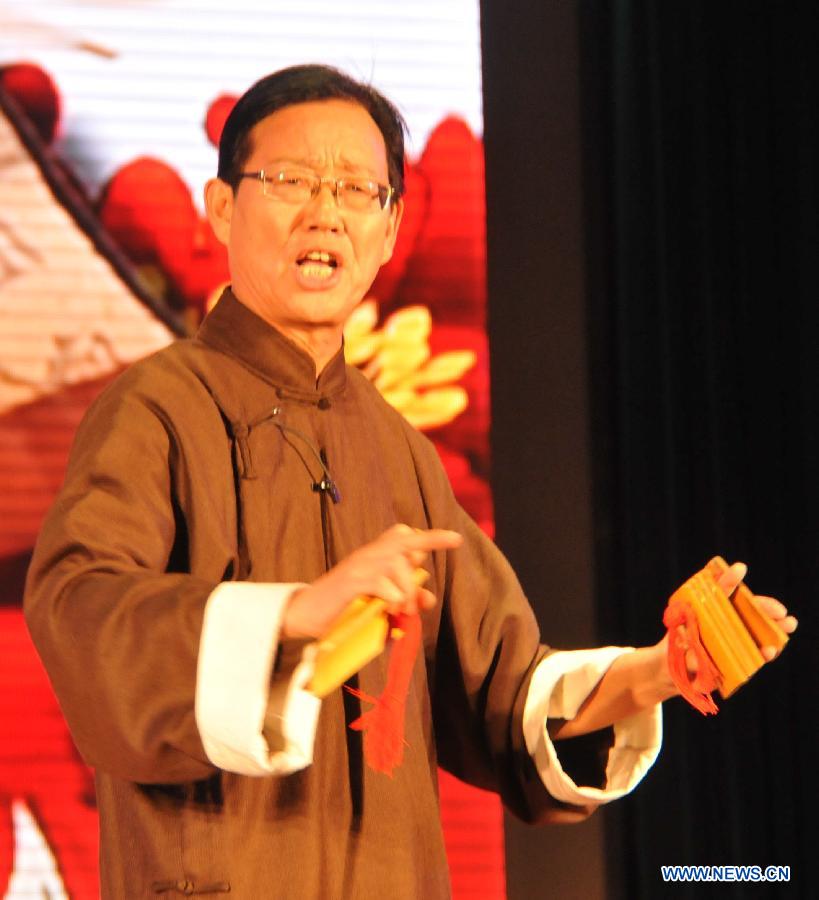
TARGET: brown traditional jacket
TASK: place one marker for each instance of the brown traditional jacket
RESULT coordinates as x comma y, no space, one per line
181,478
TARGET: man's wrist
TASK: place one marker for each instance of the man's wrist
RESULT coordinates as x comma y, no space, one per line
293,627
657,685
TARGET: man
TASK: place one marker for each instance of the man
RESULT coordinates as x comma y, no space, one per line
227,498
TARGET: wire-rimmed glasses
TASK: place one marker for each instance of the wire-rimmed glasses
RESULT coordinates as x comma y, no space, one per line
297,187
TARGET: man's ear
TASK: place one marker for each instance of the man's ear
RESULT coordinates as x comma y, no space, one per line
393,223
219,207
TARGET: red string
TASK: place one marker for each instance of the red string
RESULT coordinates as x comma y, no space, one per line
383,725
684,634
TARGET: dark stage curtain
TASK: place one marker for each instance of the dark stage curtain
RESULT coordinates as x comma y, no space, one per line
703,308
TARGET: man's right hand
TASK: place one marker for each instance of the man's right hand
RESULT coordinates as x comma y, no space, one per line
384,568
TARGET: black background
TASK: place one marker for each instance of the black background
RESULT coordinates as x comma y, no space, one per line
652,233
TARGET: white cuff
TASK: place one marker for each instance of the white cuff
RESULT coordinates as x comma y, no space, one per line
560,684
240,633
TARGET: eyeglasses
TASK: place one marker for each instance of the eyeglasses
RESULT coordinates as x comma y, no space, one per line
298,187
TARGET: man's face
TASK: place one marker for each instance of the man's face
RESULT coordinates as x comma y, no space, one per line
269,240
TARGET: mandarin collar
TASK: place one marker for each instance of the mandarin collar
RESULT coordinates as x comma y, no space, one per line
236,330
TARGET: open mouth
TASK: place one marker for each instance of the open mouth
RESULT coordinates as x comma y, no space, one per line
318,264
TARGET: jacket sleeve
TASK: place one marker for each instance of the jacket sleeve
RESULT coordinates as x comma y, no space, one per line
494,684
162,676
151,693
118,632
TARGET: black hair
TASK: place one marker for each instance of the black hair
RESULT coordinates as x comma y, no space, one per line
305,84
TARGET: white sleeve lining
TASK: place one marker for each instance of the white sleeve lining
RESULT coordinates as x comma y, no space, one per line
560,684
240,634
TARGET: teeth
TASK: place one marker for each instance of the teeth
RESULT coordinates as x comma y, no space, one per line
318,256
311,270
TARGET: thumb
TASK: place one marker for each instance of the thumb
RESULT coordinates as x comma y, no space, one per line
732,577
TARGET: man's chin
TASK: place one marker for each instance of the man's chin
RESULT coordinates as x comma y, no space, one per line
320,310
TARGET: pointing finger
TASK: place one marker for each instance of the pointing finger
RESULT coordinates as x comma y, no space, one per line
433,539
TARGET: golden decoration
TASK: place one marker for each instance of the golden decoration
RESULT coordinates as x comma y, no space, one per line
397,359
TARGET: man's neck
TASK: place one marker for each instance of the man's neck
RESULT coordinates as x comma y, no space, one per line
320,341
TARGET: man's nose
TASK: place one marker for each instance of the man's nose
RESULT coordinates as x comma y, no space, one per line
323,207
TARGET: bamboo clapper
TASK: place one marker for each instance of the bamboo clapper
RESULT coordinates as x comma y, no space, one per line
732,629
356,638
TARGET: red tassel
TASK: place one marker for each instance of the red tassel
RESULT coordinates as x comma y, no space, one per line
678,615
383,725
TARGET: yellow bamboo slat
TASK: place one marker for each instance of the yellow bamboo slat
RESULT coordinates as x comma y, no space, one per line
715,641
763,629
356,638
